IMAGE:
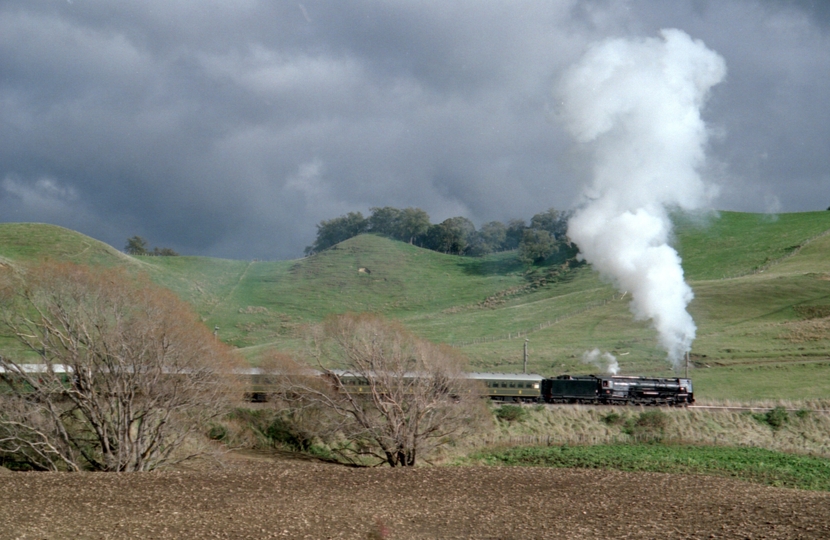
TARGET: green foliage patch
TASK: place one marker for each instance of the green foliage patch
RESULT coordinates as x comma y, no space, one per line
271,428
613,419
647,426
511,413
753,464
774,418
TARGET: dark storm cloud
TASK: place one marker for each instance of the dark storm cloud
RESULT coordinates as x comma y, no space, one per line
232,128
771,112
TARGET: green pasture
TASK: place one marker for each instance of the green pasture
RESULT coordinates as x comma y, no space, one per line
763,380
752,464
27,242
205,283
761,285
271,301
732,244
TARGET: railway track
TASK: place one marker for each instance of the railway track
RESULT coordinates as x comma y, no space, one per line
697,407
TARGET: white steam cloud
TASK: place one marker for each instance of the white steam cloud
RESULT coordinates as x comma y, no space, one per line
636,103
606,361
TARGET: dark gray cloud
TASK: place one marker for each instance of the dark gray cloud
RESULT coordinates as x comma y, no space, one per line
232,128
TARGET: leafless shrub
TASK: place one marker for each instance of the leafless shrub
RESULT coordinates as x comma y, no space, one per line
114,373
384,394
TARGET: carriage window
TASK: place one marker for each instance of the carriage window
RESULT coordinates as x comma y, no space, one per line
512,385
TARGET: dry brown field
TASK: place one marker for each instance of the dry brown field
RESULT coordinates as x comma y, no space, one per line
263,497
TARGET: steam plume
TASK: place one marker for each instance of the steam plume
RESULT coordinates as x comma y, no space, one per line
636,104
606,361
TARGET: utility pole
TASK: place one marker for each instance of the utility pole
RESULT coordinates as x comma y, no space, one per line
524,368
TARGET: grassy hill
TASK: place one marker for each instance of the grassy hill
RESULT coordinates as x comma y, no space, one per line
762,300
22,242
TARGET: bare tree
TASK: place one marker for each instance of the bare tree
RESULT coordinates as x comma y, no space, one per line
388,394
111,372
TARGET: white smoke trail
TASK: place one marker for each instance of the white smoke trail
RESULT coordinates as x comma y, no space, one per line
637,103
606,361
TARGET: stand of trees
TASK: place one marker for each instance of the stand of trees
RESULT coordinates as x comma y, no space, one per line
457,235
414,396
137,245
111,372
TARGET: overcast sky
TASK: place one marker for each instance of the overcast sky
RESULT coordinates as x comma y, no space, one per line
230,128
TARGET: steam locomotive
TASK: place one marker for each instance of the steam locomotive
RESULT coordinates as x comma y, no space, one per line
588,389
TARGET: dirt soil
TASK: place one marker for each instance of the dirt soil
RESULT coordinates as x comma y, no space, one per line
265,498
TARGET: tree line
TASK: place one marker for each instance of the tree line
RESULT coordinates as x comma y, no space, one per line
457,235
137,245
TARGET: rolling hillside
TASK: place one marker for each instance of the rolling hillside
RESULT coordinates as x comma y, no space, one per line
26,242
762,300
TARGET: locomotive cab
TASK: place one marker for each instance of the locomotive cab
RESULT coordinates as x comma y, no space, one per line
686,394
613,391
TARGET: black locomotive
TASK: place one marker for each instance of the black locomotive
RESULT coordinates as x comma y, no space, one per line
618,390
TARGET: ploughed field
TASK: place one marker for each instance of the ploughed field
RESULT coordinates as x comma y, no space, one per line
264,498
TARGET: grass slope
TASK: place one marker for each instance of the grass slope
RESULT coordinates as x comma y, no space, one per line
762,300
732,244
27,242
271,301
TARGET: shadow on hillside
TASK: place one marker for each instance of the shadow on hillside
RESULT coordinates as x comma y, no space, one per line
509,263
490,266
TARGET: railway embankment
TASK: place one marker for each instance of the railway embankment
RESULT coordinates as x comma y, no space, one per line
792,427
